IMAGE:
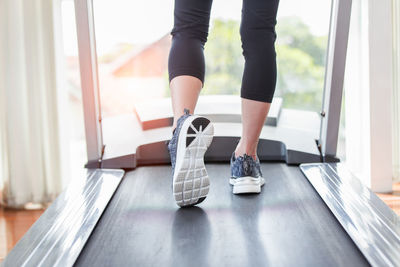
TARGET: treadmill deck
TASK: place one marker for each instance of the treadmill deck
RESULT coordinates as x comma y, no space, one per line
287,224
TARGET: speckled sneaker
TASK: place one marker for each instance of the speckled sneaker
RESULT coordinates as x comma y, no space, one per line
190,140
246,176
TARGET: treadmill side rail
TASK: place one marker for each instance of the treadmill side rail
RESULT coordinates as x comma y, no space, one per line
58,236
372,225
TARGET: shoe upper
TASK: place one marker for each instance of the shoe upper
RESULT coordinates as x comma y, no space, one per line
173,143
245,166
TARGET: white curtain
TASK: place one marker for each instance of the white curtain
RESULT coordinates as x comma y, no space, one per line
396,90
30,139
369,94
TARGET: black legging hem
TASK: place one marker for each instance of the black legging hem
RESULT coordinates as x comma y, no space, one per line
257,97
187,72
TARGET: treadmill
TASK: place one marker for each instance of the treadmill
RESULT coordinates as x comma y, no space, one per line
311,212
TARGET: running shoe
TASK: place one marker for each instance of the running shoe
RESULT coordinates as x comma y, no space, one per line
246,176
190,140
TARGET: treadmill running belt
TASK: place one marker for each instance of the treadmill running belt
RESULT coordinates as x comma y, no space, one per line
287,224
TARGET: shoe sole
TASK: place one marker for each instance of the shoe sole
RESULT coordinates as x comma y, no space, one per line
190,181
246,185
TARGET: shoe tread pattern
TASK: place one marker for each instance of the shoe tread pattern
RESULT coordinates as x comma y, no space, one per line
192,183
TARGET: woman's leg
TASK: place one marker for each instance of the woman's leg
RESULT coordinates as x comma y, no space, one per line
254,114
186,64
185,91
258,36
192,135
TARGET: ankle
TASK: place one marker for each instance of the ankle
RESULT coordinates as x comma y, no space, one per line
250,152
244,147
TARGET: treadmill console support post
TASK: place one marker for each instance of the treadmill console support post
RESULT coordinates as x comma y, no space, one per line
334,77
89,81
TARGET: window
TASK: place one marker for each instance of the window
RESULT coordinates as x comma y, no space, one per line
133,43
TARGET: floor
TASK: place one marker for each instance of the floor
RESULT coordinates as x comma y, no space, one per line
14,223
393,199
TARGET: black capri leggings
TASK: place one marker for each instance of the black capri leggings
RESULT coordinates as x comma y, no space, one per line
257,31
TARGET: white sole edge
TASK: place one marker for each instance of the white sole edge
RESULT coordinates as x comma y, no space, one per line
190,180
247,184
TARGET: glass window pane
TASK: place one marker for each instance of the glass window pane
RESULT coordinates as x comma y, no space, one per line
133,43
302,30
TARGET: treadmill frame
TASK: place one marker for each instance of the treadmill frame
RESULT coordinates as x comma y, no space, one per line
332,92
